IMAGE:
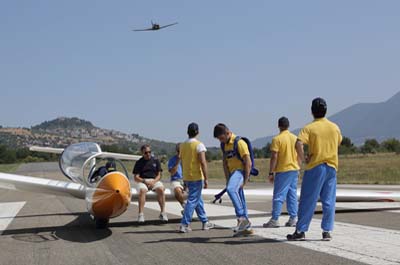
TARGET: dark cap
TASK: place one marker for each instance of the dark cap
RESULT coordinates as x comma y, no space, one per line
283,122
319,107
193,129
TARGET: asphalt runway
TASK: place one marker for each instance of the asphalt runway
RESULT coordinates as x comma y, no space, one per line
43,229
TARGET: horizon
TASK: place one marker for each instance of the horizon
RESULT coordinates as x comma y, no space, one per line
210,146
245,66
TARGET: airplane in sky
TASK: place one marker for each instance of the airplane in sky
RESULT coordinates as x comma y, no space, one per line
101,179
155,26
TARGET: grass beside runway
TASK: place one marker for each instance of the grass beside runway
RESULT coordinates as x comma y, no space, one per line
383,168
353,169
9,168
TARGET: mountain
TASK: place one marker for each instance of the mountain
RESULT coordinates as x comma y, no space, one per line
363,121
64,131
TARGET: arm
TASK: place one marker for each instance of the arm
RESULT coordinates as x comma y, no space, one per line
204,167
137,178
247,169
272,166
157,173
136,173
300,152
174,169
226,169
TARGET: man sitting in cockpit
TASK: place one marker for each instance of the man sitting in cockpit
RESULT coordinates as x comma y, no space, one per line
102,171
147,176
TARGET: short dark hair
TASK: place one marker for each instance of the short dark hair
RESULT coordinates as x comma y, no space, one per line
220,129
319,108
283,123
144,147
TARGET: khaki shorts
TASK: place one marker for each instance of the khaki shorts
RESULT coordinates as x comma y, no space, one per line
141,186
177,184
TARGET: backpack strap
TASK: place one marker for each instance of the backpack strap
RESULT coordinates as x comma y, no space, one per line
236,148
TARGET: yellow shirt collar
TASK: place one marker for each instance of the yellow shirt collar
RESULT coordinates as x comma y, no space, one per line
232,139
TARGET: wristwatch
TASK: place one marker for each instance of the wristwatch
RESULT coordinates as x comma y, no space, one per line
271,174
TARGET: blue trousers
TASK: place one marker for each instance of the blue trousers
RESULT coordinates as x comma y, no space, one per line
285,189
237,194
318,183
194,203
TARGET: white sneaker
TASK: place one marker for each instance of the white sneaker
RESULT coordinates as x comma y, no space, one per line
291,222
244,224
141,218
207,226
184,229
163,217
236,228
272,224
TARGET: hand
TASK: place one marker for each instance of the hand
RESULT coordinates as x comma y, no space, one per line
244,183
150,184
205,183
307,158
271,178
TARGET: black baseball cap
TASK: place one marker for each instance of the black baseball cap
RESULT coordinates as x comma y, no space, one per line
319,107
193,128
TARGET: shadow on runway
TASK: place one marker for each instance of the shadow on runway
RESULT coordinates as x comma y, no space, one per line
227,240
43,215
80,230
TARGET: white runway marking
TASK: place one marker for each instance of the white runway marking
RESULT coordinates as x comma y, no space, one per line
370,205
8,211
365,244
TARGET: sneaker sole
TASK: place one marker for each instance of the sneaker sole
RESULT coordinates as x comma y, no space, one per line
297,239
271,226
244,233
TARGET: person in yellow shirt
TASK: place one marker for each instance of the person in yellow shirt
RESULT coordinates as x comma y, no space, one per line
237,173
284,173
192,153
323,138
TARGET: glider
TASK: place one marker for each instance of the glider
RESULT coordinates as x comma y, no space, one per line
155,26
102,181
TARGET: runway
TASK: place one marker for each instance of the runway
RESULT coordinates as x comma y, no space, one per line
43,229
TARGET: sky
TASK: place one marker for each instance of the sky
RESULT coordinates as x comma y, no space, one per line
243,63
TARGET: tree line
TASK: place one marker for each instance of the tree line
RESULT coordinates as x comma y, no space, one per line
347,147
371,146
23,155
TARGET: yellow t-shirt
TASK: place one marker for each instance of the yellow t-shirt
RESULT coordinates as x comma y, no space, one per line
323,138
233,162
285,145
189,154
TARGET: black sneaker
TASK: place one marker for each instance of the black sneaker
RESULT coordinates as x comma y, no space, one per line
326,236
296,236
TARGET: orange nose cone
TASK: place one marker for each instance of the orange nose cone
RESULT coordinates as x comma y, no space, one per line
112,196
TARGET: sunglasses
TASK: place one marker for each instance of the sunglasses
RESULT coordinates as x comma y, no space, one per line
147,152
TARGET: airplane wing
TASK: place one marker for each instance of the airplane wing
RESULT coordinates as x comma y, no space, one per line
42,185
169,25
103,155
148,29
342,195
64,188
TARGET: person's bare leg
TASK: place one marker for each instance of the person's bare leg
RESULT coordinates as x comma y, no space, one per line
179,195
142,200
161,198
